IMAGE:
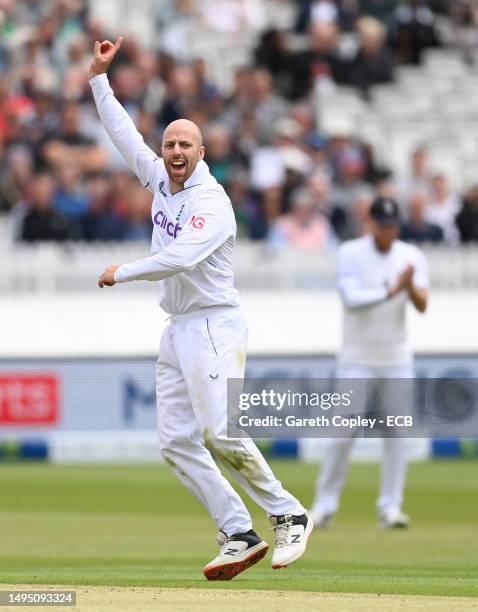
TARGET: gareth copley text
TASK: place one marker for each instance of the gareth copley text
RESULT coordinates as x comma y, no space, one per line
350,422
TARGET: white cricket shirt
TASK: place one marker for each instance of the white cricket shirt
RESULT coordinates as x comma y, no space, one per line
374,327
193,230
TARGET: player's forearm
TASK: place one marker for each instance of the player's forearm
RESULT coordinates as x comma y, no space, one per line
176,258
357,297
153,268
419,298
182,255
116,121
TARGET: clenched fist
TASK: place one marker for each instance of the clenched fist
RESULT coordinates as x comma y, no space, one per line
107,279
104,54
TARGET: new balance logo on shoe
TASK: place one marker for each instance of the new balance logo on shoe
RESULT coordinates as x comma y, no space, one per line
238,552
292,533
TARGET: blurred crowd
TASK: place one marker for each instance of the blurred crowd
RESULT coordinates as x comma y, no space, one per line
61,179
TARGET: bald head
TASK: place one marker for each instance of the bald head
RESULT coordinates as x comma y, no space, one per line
185,128
182,149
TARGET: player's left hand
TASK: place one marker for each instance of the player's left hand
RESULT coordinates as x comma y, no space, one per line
107,279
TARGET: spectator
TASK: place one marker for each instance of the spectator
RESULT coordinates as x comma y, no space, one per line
138,214
100,222
268,107
70,141
375,174
248,137
361,212
273,55
207,90
182,95
442,207
319,187
303,227
12,106
45,117
296,162
467,219
417,179
412,30
373,63
267,206
16,178
41,221
219,154
353,222
245,207
416,228
303,113
266,169
321,64
317,148
70,197
128,87
238,104
152,86
350,167
75,75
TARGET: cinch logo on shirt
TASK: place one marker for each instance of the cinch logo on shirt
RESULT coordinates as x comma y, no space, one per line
161,220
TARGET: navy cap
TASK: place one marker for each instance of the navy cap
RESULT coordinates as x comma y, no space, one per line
385,211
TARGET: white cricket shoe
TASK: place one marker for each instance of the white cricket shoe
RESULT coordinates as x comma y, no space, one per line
238,552
320,518
394,519
292,533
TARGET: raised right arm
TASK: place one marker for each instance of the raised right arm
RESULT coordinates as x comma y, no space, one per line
142,160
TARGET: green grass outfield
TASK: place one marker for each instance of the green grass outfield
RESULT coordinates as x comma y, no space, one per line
137,526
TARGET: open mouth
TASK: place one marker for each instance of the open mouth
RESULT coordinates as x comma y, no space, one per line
177,166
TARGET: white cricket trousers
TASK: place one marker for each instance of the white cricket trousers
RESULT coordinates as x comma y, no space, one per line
199,351
331,480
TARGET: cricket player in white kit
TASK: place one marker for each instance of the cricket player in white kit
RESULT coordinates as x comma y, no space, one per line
377,275
205,344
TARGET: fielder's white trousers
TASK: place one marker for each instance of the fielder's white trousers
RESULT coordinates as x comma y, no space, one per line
199,351
331,480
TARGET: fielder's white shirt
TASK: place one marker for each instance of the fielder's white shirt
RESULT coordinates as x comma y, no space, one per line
193,230
374,329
